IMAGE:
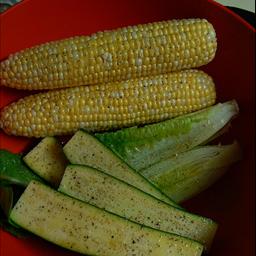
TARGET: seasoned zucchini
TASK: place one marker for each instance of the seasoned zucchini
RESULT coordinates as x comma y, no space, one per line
191,172
142,147
116,196
87,229
47,160
85,149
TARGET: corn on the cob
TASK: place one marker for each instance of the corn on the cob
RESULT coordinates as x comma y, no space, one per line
121,54
109,106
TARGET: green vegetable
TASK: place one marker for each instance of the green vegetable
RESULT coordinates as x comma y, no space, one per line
6,199
85,149
47,160
14,171
14,176
10,228
187,174
116,196
87,229
8,196
142,147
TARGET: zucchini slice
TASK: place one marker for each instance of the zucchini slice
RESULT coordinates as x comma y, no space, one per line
47,160
141,147
106,192
85,149
87,229
191,172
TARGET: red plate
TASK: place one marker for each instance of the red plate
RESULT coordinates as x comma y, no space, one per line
231,201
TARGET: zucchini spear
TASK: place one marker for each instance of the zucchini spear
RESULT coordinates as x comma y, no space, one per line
115,196
47,160
84,228
85,149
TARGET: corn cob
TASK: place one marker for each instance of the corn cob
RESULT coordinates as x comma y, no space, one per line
109,106
121,54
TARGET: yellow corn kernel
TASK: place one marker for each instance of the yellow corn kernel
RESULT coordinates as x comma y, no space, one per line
116,55
109,106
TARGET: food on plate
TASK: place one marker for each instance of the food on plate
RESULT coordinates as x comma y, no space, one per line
141,147
98,188
120,54
87,229
113,195
109,106
47,160
85,149
116,192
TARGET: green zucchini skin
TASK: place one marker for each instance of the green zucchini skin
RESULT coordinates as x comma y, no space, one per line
141,147
113,195
13,171
87,229
47,160
85,149
6,199
189,173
